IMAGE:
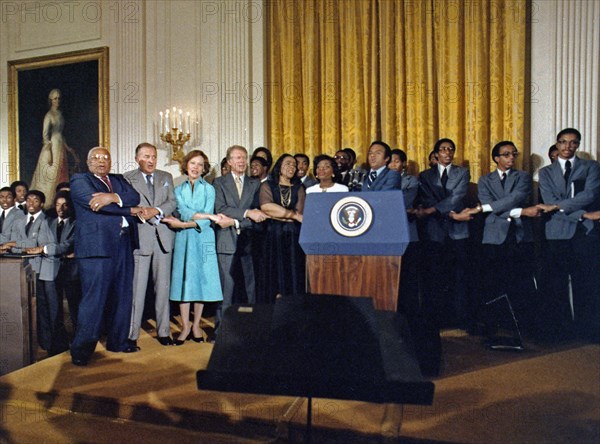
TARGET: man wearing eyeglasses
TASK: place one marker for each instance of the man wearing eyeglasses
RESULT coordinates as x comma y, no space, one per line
570,188
504,196
442,191
105,238
342,159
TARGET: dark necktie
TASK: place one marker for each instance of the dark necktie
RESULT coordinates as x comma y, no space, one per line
503,180
567,172
150,186
59,230
22,208
28,226
372,177
2,220
444,178
107,182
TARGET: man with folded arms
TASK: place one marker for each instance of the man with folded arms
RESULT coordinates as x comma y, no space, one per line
570,189
105,237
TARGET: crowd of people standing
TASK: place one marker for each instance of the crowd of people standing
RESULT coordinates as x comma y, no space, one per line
236,240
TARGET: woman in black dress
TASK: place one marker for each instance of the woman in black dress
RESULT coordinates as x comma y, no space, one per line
282,199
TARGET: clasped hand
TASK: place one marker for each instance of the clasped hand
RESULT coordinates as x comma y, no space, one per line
7,246
256,215
221,220
145,213
100,200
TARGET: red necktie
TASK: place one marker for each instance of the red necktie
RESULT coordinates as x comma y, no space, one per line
107,182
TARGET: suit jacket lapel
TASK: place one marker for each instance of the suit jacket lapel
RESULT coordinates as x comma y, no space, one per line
436,183
379,179
159,187
437,179
496,185
37,224
577,171
559,178
143,186
246,194
452,178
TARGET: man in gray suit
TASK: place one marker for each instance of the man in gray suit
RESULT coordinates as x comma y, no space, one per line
235,198
508,236
570,187
9,213
31,235
156,242
445,302
67,280
442,193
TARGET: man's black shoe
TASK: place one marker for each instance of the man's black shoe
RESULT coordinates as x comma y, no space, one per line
132,347
165,340
79,362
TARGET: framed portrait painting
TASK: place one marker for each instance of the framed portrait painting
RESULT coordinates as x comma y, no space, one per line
58,110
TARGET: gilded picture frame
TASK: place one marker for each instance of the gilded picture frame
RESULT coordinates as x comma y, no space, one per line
44,143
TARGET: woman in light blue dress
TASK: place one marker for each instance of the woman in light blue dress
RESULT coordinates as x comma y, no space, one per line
195,273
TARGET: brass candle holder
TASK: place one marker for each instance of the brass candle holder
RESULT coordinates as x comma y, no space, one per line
176,138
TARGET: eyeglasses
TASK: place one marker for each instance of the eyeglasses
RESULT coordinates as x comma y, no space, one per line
569,142
447,148
341,157
513,154
100,156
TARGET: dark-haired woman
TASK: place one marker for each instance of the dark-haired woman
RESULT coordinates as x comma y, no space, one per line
282,199
265,153
326,171
195,273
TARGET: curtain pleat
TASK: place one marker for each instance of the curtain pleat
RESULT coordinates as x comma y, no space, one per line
345,73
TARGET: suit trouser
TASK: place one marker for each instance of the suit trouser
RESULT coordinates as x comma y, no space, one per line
159,263
446,291
71,288
509,269
107,291
579,259
408,297
228,264
50,326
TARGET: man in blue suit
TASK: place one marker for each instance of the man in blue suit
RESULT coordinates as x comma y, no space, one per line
380,177
570,188
104,243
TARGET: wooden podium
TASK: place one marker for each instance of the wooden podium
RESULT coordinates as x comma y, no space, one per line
17,313
354,243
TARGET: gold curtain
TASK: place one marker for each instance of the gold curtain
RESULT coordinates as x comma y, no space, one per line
344,73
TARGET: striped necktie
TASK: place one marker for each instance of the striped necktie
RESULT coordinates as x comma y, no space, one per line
107,183
372,177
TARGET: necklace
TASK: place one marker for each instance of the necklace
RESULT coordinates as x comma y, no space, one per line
285,193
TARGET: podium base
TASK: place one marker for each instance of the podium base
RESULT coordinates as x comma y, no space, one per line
374,276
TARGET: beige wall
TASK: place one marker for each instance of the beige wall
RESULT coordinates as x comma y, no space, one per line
207,56
202,56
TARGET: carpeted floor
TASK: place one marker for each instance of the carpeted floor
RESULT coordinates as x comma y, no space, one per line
541,394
